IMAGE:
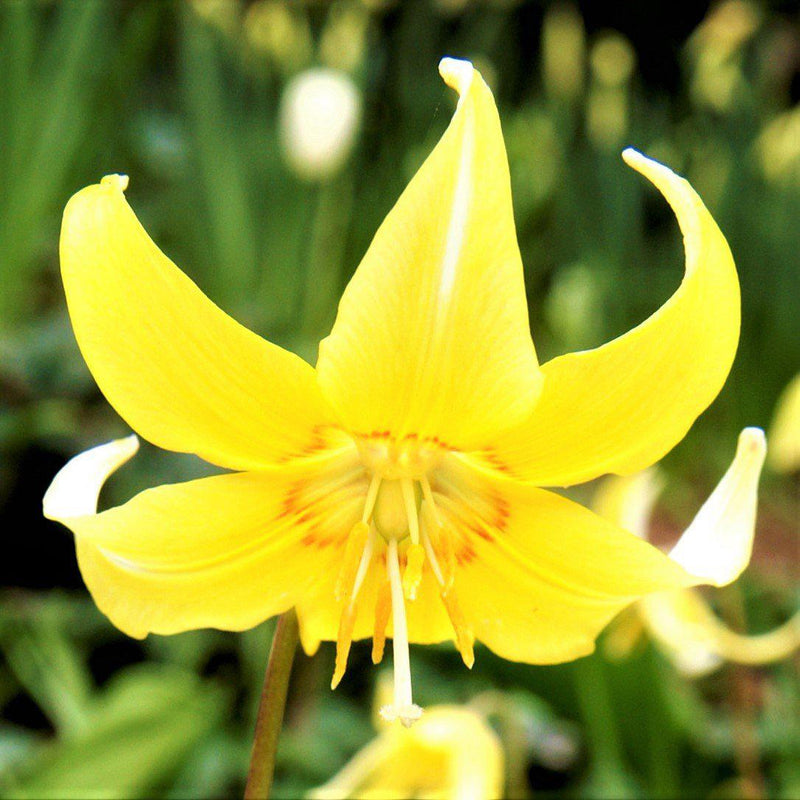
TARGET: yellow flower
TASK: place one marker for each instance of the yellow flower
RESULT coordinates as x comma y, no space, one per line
681,622
393,490
784,451
451,754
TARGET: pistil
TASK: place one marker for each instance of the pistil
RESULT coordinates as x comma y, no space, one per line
403,707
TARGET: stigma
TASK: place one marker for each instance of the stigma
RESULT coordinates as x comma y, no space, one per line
400,534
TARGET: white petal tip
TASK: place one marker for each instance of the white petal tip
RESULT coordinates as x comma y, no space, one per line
76,487
457,74
642,164
119,182
407,714
752,442
631,156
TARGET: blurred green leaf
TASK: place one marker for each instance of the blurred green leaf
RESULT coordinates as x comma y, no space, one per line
139,729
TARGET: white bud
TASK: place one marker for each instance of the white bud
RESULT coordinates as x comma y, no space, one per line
319,117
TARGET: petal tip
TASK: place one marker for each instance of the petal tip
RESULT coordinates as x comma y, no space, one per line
753,442
115,181
641,163
457,73
630,155
76,487
717,545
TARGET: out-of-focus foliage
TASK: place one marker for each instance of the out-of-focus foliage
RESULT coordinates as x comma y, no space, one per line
191,101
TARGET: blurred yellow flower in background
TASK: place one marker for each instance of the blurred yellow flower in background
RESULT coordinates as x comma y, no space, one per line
681,622
451,754
784,450
393,490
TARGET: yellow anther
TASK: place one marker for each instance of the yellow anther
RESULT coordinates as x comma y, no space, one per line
356,542
412,575
383,610
346,623
464,636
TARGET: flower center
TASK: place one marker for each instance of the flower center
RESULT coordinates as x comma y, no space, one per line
392,458
396,509
401,524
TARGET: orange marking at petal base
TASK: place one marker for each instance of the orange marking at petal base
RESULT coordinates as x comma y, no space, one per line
465,556
412,575
479,530
383,610
464,635
356,542
345,637
491,457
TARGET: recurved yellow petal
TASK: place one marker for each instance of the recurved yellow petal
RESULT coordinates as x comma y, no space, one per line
542,586
180,371
622,406
432,335
223,552
784,438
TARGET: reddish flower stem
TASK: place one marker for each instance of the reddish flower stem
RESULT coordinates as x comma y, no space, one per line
271,707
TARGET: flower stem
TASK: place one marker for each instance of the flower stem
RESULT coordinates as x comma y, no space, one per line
271,707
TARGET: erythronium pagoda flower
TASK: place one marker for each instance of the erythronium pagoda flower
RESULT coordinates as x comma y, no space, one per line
681,622
393,491
453,754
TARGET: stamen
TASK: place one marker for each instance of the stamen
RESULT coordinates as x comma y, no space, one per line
372,496
353,552
360,534
411,508
403,707
427,494
438,545
343,640
464,636
363,566
412,575
444,546
383,608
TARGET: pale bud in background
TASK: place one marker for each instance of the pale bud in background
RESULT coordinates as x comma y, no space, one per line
716,51
220,14
563,52
343,41
278,33
613,62
777,148
320,115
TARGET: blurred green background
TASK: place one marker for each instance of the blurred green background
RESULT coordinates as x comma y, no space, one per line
194,101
